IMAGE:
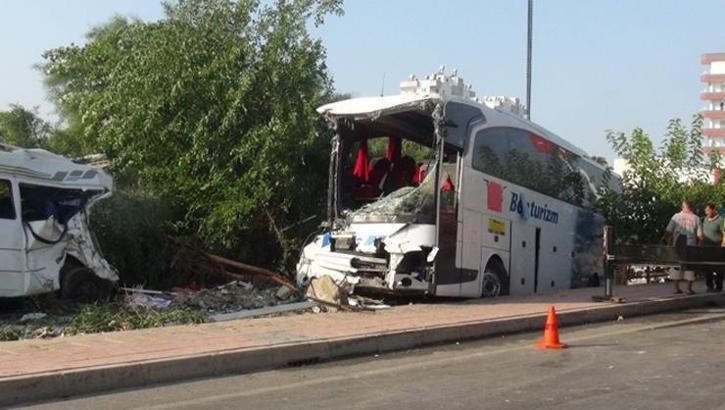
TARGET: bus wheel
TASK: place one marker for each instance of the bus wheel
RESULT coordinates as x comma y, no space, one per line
494,280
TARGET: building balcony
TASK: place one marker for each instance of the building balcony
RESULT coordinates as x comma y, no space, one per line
714,114
712,78
712,95
708,150
713,132
709,58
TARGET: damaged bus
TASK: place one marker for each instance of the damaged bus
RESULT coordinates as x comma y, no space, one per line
45,243
437,192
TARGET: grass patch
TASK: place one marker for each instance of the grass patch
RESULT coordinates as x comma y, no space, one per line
96,318
117,316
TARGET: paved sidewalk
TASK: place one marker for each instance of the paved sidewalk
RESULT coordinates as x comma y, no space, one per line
77,364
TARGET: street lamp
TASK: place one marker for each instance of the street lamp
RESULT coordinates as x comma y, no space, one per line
528,61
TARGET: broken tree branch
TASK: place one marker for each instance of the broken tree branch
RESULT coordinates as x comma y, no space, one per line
253,269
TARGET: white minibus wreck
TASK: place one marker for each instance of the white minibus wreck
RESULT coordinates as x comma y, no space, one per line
45,243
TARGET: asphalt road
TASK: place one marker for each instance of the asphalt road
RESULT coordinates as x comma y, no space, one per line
673,361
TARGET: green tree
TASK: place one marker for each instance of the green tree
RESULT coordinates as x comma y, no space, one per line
212,110
24,128
659,180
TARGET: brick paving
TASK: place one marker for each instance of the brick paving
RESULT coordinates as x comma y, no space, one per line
29,357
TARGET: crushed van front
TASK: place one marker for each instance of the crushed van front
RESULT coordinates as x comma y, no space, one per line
52,197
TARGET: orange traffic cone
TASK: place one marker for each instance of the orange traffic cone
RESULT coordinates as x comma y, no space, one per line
551,332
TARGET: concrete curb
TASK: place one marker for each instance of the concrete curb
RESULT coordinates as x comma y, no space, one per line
43,386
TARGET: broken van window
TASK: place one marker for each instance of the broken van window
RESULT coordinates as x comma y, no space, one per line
39,203
7,208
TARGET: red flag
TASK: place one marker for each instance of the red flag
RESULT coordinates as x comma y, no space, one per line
419,174
393,152
540,144
362,166
494,196
448,185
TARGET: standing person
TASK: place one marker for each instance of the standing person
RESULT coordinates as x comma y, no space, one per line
684,225
712,235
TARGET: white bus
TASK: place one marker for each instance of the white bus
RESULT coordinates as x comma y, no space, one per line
433,192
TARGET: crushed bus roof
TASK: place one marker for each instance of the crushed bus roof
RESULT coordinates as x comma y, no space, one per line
439,87
370,105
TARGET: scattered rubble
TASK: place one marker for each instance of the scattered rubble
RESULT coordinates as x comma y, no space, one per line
233,296
324,290
32,316
251,292
283,293
148,301
230,297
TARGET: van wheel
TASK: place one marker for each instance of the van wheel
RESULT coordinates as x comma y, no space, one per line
81,285
495,281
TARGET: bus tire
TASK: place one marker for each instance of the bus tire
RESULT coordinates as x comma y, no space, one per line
80,284
495,280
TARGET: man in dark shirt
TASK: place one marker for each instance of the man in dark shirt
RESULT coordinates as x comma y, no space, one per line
713,226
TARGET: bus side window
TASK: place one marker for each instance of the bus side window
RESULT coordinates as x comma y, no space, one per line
459,118
489,151
7,207
529,160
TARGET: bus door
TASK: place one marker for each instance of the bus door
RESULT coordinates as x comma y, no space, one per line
525,238
448,273
459,242
470,233
555,260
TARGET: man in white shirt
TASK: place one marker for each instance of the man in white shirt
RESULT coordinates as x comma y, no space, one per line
684,225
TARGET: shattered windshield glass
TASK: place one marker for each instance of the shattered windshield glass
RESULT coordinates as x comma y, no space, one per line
407,204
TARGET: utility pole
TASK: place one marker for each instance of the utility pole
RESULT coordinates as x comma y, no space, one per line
528,61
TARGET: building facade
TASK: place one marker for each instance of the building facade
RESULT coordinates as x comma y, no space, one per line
714,97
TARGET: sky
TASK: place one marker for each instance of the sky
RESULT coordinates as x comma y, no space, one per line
597,65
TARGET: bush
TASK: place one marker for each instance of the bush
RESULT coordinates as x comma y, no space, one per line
131,228
211,108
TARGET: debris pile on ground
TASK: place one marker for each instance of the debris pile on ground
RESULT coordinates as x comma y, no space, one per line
326,291
140,298
32,316
230,297
224,290
10,332
233,296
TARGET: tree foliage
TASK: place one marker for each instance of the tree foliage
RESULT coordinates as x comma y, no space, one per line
24,128
211,109
658,180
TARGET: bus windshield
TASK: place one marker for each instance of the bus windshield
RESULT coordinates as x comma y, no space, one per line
414,204
386,168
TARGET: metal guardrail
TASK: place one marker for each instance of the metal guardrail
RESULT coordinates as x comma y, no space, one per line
686,257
